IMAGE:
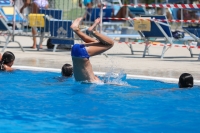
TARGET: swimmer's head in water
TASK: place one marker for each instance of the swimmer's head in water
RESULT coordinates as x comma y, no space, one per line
67,70
8,58
185,80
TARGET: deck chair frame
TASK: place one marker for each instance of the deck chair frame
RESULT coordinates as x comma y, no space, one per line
92,13
18,17
168,36
195,37
125,36
55,14
5,28
64,37
9,38
8,18
137,11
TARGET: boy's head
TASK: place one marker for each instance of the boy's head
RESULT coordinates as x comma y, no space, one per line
185,80
8,58
67,70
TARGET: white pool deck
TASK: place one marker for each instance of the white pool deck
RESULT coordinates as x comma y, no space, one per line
177,60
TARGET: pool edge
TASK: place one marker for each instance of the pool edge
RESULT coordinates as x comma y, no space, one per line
169,80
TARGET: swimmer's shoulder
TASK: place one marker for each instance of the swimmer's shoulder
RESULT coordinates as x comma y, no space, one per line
7,68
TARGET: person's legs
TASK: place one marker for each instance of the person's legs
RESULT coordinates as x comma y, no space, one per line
34,32
102,38
103,45
47,6
84,37
35,9
93,47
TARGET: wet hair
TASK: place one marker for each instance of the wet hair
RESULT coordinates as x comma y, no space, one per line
7,57
67,70
185,80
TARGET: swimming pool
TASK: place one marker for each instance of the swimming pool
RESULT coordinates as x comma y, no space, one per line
38,101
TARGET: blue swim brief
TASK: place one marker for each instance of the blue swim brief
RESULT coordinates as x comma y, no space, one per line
79,50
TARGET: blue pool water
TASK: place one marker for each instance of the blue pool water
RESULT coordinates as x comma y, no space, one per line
43,102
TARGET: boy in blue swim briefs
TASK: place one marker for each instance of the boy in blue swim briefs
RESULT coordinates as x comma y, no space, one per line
81,53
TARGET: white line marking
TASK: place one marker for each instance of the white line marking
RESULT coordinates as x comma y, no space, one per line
169,80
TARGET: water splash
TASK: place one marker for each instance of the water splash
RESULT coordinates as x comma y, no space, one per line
115,78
